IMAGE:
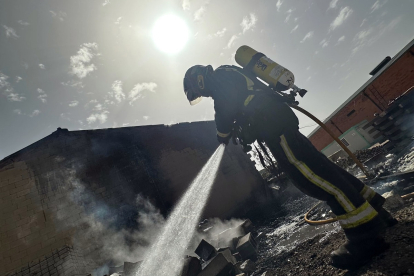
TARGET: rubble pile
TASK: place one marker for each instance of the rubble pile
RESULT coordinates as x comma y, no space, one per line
362,155
232,252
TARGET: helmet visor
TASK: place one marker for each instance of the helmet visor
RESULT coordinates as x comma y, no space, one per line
196,101
191,91
193,96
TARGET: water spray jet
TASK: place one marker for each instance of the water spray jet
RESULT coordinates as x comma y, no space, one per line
166,255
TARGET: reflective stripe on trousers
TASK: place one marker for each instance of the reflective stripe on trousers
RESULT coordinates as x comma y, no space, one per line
354,216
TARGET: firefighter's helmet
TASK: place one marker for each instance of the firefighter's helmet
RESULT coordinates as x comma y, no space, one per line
194,83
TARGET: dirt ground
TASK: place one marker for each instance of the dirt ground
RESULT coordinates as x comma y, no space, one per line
312,256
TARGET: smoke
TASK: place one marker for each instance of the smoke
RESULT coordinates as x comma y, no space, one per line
97,232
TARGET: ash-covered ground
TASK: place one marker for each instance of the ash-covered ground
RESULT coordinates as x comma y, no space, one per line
289,246
311,257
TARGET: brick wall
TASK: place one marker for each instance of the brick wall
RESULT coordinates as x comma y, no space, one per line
28,226
51,189
396,79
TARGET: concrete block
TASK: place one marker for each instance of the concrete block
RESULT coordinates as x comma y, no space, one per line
227,253
238,257
229,237
131,268
205,250
191,267
247,247
247,226
116,269
218,266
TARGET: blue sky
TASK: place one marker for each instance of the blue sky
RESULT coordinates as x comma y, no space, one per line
94,64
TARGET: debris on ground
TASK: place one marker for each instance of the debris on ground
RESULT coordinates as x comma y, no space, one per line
312,256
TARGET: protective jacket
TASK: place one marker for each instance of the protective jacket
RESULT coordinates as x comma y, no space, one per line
240,97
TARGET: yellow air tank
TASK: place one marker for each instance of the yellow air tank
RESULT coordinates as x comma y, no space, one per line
277,76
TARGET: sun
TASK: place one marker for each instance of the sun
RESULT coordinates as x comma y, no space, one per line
170,34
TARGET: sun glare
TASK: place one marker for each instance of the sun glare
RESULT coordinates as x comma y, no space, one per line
170,34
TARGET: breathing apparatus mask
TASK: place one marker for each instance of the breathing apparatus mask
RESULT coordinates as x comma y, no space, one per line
194,83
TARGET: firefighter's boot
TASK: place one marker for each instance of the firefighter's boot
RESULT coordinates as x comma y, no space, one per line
355,253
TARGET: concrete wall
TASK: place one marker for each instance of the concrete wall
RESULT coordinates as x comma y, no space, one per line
353,138
397,79
52,189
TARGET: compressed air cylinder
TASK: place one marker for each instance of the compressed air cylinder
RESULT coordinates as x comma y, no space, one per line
277,76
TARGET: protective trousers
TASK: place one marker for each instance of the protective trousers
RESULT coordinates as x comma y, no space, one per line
314,174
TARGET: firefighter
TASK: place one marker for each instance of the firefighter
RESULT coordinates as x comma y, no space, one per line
242,101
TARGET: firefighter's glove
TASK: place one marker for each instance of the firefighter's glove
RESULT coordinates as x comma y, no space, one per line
223,140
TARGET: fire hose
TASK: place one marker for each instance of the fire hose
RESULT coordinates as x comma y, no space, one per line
354,158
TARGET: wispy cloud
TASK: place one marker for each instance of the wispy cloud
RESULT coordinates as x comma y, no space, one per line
73,83
118,20
65,116
17,111
98,107
8,90
332,4
370,35
145,117
10,32
42,95
15,97
342,38
309,35
136,92
220,33
294,29
81,63
377,5
248,22
58,15
363,22
116,91
231,41
340,19
186,5
199,14
278,4
101,117
289,12
73,103
18,79
35,113
42,66
3,81
23,23
324,43
106,2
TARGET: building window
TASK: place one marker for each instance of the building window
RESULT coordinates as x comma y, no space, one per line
350,113
343,140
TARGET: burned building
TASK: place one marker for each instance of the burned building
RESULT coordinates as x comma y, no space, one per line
62,185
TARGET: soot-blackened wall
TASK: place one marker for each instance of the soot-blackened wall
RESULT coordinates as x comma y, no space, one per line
49,189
